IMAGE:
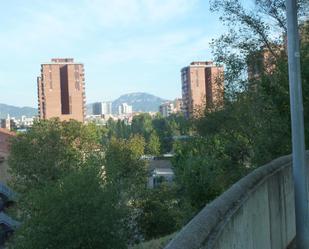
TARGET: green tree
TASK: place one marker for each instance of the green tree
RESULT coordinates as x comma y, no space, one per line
153,146
167,128
50,150
205,167
257,107
253,125
162,212
142,125
79,211
123,164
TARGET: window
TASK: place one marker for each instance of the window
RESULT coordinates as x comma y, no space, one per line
70,105
77,85
50,78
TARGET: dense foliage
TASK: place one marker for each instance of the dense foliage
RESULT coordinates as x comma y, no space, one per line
49,151
253,126
84,186
78,211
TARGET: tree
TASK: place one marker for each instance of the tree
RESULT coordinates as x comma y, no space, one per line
162,212
123,165
142,125
153,146
206,166
258,107
50,150
167,128
78,211
253,126
118,129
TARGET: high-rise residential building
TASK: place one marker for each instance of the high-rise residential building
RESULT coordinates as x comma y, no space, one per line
178,105
169,107
124,108
202,84
263,61
8,123
166,109
102,108
61,90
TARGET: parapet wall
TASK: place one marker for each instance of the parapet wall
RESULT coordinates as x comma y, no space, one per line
257,212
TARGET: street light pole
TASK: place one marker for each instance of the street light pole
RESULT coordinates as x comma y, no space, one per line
300,170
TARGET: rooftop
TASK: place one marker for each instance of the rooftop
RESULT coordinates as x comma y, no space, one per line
62,61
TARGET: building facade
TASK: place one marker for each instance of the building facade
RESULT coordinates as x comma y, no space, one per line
166,109
202,85
124,108
8,123
178,105
170,107
102,108
61,90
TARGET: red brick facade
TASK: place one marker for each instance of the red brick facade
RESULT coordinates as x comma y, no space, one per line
61,90
202,85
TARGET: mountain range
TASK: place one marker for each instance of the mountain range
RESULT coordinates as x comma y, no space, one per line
141,102
17,112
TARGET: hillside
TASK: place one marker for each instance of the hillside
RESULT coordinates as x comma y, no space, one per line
141,102
16,112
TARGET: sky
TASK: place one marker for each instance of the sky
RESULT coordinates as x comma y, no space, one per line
126,45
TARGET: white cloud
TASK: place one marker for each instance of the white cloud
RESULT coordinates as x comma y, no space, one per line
58,23
128,12
104,34
164,48
167,9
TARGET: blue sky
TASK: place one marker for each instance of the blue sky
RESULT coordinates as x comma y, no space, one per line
126,45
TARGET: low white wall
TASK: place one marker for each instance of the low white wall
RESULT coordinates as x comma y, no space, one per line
257,212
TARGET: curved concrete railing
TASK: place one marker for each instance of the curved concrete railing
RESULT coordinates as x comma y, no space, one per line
257,212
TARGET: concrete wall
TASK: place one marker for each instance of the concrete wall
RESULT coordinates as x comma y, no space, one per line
257,212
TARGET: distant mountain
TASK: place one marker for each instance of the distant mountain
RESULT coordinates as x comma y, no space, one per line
17,112
141,102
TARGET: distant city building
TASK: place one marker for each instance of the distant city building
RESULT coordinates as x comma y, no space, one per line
26,122
61,90
202,85
178,105
166,109
5,124
8,123
102,108
124,109
170,107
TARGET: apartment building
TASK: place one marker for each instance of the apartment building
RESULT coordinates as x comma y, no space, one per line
202,85
61,90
